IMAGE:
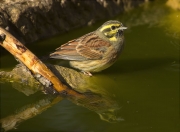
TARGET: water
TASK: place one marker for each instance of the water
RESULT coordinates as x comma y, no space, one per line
144,82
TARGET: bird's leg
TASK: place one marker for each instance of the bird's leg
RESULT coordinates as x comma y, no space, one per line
86,73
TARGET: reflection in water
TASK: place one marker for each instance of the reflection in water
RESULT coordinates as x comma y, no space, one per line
97,91
174,66
94,95
27,112
176,44
104,106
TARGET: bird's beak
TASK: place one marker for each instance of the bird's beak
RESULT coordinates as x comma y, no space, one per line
122,28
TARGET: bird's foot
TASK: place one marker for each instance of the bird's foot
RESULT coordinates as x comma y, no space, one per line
86,73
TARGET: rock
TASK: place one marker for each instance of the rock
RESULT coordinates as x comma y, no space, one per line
31,20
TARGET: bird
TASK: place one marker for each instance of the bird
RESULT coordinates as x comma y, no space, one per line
94,51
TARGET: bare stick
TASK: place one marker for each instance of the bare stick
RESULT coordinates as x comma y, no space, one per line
35,65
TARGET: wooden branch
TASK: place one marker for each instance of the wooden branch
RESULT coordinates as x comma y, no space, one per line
34,64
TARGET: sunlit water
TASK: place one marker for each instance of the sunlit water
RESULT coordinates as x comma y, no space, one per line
144,81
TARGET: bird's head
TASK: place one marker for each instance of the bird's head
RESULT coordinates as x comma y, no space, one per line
111,30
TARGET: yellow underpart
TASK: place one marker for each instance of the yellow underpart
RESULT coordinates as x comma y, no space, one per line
109,26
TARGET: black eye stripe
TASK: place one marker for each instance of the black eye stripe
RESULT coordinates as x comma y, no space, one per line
113,27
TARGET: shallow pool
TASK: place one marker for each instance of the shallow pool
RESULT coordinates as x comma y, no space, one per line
144,82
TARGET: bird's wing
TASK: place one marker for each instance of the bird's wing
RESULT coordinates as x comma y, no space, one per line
67,51
92,47
89,46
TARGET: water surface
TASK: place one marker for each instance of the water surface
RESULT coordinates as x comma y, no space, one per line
144,81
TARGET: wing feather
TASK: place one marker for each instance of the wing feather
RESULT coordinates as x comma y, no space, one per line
89,46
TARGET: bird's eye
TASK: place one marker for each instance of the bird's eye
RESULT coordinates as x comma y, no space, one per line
113,27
